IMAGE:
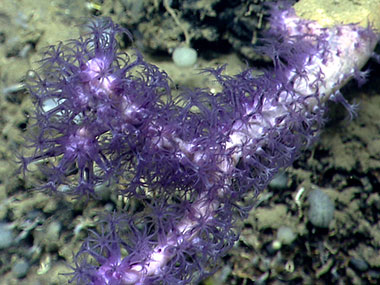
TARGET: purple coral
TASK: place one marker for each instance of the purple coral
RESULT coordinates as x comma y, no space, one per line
89,133
189,159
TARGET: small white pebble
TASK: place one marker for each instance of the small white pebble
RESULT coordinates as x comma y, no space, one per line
321,210
285,235
276,245
184,56
6,236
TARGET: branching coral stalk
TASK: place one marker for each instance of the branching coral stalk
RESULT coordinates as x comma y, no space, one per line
336,55
189,160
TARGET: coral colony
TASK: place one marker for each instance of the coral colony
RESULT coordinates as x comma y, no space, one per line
187,160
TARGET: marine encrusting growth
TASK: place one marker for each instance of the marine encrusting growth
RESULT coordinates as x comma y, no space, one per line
189,160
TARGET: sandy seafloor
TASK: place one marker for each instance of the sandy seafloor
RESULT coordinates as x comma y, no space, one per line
344,163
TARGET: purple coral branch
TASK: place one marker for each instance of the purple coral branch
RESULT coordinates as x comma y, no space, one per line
325,70
188,159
